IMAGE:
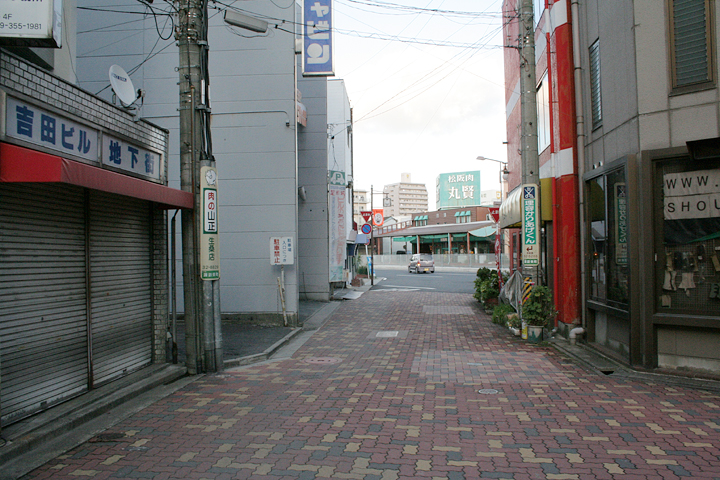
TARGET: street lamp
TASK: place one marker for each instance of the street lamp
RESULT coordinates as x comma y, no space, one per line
503,173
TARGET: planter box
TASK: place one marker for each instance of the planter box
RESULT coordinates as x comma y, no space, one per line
535,334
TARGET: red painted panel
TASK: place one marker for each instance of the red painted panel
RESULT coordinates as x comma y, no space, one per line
567,232
19,164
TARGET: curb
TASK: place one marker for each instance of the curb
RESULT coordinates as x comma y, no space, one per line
600,363
265,355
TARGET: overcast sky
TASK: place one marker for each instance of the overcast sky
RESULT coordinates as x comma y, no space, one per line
417,108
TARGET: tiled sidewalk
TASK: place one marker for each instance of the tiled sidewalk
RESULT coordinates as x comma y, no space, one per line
411,385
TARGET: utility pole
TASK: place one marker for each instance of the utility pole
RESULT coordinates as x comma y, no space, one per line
202,308
529,133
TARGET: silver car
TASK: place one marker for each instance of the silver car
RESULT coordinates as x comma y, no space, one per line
422,262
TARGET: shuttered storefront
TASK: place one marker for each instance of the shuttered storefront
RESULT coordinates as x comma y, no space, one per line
43,320
120,282
52,236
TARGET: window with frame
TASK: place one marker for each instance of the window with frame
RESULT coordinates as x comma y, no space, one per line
595,90
691,44
543,113
688,269
609,271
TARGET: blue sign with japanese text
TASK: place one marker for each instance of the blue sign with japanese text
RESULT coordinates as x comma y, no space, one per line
41,127
131,158
317,33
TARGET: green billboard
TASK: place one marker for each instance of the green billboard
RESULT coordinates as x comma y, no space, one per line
460,189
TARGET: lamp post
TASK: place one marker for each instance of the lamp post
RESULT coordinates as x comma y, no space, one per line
499,243
502,173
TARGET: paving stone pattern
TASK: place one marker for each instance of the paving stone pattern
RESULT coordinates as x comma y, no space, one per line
351,405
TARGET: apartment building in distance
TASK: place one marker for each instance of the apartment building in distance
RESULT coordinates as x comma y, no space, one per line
405,198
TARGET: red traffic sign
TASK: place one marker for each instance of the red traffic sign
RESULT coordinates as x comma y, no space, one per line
495,213
366,215
366,229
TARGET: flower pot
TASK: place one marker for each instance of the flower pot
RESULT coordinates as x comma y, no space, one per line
535,333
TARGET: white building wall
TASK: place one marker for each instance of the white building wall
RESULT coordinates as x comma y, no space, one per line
665,120
340,143
254,132
313,176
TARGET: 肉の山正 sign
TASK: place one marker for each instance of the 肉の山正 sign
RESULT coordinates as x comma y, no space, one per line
209,236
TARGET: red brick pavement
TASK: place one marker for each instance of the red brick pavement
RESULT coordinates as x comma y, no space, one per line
406,404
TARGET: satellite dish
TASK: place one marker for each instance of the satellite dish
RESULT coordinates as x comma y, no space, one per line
122,85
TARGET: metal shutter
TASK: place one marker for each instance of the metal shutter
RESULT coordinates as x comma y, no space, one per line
120,285
43,321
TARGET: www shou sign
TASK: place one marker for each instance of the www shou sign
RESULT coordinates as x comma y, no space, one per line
691,195
317,38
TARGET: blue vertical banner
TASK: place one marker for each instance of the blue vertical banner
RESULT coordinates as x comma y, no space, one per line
317,38
531,225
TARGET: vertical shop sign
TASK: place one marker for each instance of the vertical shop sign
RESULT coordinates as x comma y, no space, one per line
530,225
621,247
209,245
317,38
338,225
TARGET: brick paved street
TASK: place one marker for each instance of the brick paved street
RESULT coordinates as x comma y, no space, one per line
389,388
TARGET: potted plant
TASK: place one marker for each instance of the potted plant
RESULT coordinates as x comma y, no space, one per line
538,311
487,288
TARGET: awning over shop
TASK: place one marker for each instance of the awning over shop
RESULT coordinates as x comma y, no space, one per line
483,232
511,208
19,164
403,239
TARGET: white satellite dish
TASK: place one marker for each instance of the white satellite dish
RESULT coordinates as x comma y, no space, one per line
122,85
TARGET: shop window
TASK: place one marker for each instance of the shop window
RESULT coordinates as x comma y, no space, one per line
607,203
691,44
689,264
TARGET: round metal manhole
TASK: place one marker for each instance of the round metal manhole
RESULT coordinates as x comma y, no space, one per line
321,360
488,391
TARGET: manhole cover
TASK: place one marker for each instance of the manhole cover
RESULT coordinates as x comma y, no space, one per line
488,391
321,360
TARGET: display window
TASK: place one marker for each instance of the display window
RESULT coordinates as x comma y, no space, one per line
690,256
608,218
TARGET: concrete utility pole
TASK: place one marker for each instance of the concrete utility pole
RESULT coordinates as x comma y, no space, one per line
202,336
528,109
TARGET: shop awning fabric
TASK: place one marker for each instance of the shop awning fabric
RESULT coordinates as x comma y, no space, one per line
19,164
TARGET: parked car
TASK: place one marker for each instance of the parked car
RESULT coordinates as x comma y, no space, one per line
422,262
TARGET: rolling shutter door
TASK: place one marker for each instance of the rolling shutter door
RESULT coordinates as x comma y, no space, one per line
120,285
43,321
